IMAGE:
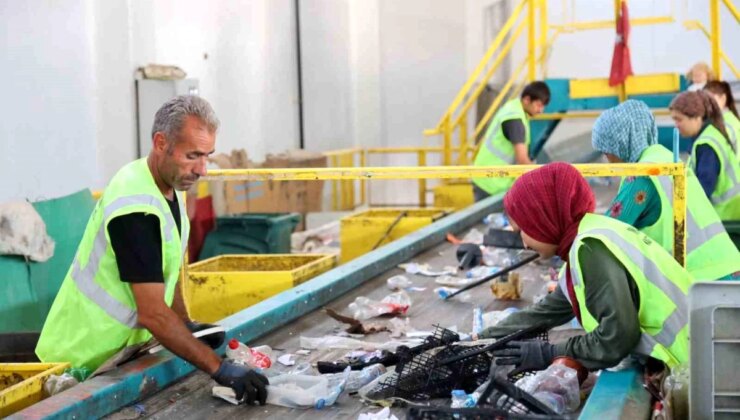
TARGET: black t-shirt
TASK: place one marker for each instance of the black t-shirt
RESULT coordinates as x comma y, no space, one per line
514,131
137,243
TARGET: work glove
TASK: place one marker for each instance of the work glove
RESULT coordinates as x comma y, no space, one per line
242,380
214,340
526,355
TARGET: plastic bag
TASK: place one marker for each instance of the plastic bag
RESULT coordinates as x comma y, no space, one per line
557,386
491,319
58,383
304,391
384,414
399,282
364,308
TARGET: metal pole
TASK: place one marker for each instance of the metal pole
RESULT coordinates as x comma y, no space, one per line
422,182
679,218
532,44
544,29
301,139
715,39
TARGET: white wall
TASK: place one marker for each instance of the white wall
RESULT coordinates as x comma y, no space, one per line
48,128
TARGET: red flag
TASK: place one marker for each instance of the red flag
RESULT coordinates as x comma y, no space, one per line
621,63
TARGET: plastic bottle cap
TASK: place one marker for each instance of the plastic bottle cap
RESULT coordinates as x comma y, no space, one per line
233,344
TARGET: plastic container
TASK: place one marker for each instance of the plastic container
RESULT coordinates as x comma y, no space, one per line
221,286
251,233
21,384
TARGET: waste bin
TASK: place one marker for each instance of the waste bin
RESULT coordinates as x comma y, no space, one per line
251,233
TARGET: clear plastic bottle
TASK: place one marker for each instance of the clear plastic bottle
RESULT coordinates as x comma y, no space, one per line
399,282
356,379
458,398
241,353
477,320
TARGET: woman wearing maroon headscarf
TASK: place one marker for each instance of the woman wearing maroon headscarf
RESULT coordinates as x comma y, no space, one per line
629,294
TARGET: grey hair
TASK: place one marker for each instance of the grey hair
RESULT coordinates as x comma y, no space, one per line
171,116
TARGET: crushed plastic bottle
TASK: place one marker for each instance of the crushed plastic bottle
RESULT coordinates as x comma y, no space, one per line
557,386
241,353
460,399
399,282
364,308
444,292
356,379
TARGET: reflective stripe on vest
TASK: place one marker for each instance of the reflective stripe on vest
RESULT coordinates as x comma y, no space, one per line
85,278
678,319
696,236
729,172
489,141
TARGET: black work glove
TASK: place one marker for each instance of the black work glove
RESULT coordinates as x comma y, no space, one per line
213,341
242,380
526,355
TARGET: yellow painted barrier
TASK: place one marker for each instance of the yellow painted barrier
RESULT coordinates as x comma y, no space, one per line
635,85
221,286
22,384
362,232
456,195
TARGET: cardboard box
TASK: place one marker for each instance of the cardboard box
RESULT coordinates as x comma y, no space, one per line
231,197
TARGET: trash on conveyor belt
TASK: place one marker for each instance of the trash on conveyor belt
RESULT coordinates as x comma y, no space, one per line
364,308
356,326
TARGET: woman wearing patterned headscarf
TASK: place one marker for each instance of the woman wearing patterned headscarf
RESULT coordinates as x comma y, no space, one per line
627,133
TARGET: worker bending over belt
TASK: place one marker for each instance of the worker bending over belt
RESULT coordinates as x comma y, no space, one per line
627,133
507,138
713,158
122,288
627,292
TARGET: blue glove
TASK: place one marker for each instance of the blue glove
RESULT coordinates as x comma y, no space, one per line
242,380
214,340
526,355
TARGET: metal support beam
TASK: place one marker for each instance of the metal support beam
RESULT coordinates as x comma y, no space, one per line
532,43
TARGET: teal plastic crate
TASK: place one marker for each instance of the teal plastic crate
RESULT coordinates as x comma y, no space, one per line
250,233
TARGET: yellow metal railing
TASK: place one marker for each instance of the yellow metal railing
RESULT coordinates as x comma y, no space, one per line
676,170
696,25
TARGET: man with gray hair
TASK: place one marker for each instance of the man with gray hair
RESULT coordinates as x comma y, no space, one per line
122,288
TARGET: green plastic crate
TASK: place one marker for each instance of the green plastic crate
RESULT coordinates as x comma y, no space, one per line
250,233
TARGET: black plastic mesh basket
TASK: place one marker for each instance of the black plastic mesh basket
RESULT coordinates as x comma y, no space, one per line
439,365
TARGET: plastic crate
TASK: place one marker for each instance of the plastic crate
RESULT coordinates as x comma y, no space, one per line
361,232
221,286
456,196
250,233
22,384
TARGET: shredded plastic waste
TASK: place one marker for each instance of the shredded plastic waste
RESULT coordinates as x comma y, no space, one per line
364,308
444,292
399,282
452,281
334,342
557,387
286,360
474,236
384,414
491,319
497,220
425,270
356,326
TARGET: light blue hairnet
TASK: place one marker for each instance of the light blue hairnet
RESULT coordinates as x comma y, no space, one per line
625,130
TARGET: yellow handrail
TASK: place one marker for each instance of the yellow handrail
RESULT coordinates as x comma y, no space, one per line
694,25
732,9
481,65
676,170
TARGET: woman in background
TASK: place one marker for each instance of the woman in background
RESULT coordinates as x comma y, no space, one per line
713,158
